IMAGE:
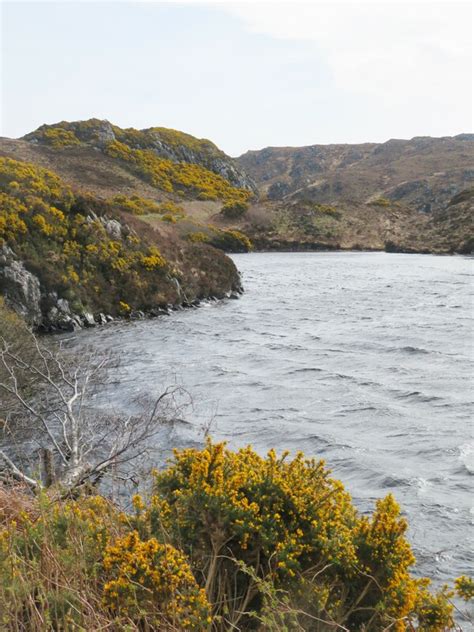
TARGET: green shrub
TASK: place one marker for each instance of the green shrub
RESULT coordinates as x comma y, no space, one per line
60,238
227,240
234,210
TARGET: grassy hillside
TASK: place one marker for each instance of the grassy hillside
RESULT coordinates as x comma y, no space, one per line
59,245
170,161
396,195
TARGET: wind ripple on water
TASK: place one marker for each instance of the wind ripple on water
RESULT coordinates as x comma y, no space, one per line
364,359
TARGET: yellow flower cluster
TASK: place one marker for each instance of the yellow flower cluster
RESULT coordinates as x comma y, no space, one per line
154,260
170,176
464,587
59,137
146,576
68,246
299,524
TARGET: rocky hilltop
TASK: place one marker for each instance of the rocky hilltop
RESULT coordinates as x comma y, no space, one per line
93,223
398,195
167,144
423,173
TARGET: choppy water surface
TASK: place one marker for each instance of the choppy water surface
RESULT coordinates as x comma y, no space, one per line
360,358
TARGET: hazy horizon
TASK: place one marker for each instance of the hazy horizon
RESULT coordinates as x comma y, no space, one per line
246,76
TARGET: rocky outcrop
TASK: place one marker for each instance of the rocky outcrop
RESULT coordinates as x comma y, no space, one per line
23,293
20,287
422,173
50,313
165,143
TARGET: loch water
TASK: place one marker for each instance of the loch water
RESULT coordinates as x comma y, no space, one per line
363,359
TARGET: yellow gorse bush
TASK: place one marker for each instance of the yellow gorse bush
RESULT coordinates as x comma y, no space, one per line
40,214
59,137
228,540
170,176
464,587
153,582
290,521
228,240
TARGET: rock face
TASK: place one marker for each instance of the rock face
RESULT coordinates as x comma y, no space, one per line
20,288
112,227
23,293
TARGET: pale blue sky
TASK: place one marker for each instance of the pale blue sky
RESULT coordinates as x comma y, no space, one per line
244,75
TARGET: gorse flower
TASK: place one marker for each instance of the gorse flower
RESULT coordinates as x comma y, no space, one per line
228,540
289,521
153,582
66,243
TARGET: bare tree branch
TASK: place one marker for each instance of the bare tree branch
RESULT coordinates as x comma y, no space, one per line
48,394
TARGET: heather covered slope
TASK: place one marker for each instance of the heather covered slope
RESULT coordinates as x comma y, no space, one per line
398,195
422,173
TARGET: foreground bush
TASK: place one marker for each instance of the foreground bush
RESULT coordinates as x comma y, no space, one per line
153,583
248,522
228,541
77,565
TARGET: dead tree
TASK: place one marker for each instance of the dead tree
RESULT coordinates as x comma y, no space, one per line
45,408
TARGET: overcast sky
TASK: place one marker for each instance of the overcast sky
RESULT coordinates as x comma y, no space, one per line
245,75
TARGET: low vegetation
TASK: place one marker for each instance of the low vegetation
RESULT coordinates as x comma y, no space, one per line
381,201
68,242
234,210
227,240
226,541
141,152
140,206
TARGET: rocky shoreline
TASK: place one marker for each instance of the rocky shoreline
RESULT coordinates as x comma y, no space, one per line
51,313
60,321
